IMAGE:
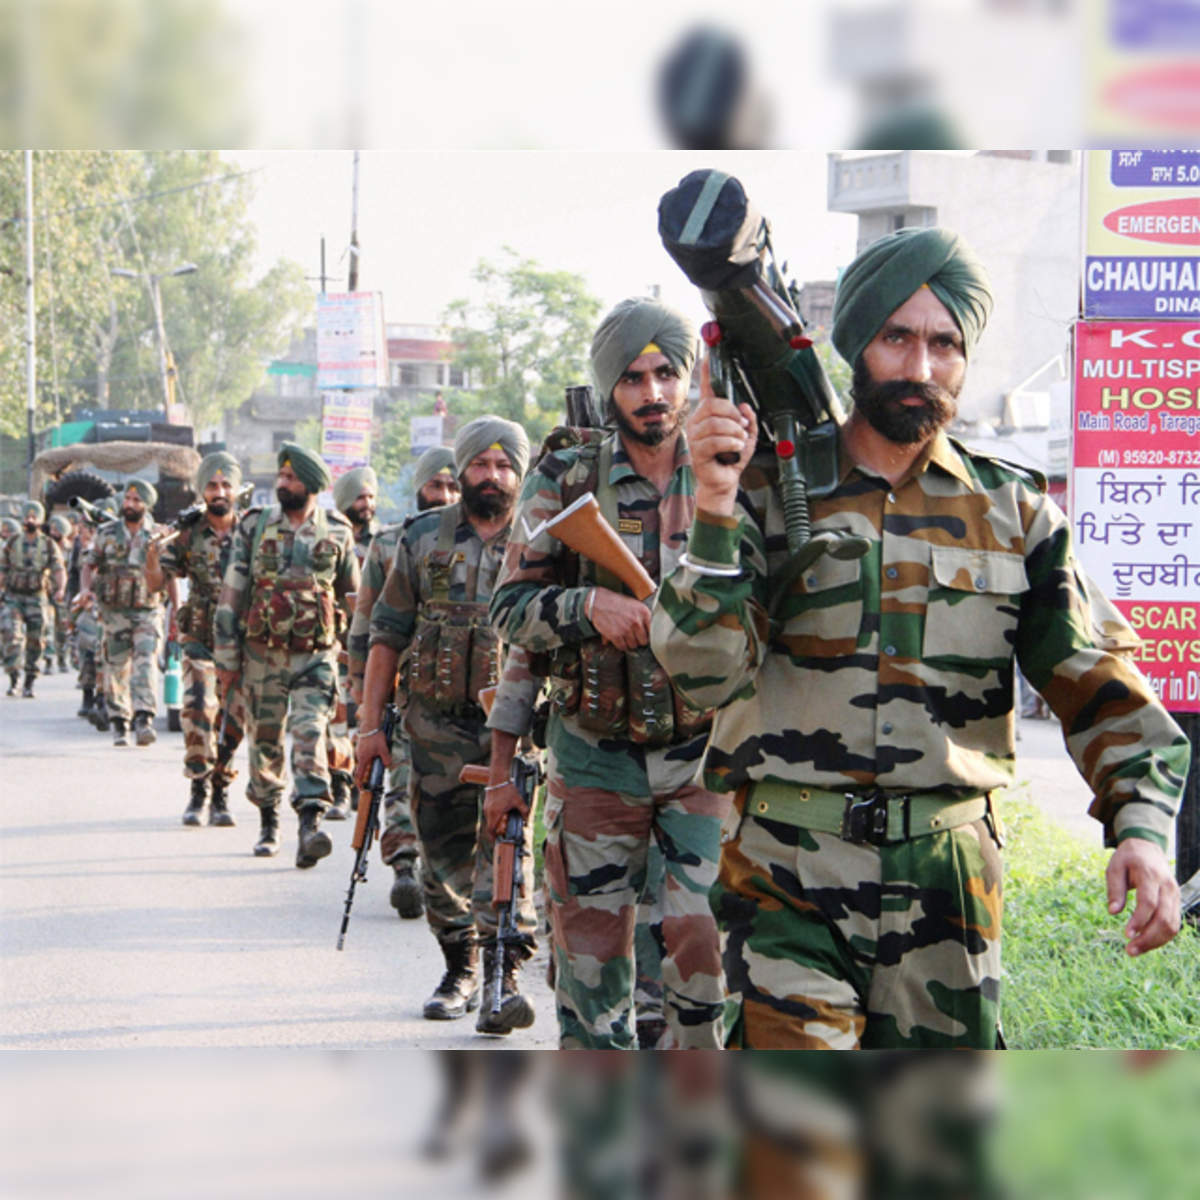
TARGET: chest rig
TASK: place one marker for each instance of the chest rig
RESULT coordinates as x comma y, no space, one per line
208,556
122,575
26,565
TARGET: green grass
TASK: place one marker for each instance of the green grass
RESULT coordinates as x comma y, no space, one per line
1068,983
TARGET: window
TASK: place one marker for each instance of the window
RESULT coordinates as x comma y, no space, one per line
458,377
410,374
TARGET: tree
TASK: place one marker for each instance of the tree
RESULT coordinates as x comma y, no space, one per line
526,336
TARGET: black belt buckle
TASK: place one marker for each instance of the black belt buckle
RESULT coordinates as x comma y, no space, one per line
865,819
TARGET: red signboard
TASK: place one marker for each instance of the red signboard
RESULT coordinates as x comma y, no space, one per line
1135,488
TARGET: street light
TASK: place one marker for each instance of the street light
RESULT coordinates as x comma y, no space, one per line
152,279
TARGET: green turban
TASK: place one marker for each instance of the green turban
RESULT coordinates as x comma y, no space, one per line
308,467
108,505
435,460
626,332
352,484
145,490
10,525
34,509
484,432
890,270
218,463
60,524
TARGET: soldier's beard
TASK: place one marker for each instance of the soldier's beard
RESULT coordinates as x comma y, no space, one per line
905,424
291,501
218,508
30,526
652,435
131,515
487,500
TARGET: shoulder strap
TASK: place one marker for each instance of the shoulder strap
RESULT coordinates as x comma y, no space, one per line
440,570
258,533
606,499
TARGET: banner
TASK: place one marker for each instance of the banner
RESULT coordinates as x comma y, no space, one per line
346,419
351,341
1135,503
1142,231
425,433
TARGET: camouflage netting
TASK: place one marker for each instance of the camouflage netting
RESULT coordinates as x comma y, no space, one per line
179,462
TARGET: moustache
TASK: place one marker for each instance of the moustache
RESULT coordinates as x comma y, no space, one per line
896,390
649,410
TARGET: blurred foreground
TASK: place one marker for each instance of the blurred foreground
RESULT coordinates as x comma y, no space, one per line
462,1123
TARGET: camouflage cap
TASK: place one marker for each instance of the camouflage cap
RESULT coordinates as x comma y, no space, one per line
308,467
352,484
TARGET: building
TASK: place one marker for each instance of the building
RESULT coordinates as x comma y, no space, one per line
1020,211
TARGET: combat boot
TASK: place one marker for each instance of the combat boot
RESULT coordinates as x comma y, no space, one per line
218,810
100,713
500,967
191,814
406,898
314,843
27,693
85,705
268,836
143,728
458,993
62,666
14,680
340,789
120,736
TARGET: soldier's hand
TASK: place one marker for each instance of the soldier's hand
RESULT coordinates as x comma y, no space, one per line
1139,864
620,620
498,801
718,426
366,750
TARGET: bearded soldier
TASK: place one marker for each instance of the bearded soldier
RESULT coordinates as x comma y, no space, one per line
866,713
354,497
212,731
31,561
281,612
623,746
435,484
61,530
434,607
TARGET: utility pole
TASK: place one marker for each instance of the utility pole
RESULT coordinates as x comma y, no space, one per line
353,282
30,319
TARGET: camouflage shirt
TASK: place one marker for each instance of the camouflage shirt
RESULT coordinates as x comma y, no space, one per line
320,549
896,670
25,562
375,567
200,555
540,601
116,552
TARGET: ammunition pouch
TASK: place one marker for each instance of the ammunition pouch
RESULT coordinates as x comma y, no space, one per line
454,654
124,587
291,614
23,581
619,694
196,619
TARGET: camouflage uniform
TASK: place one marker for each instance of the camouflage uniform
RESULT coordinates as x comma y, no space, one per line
398,842
200,555
131,618
277,623
893,673
442,574
25,563
609,793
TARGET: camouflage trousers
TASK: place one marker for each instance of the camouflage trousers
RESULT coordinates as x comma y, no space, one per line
648,939
87,643
597,848
288,692
131,676
61,617
398,842
23,623
339,750
836,945
205,751
455,848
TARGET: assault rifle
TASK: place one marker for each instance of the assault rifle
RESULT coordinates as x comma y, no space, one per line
366,827
759,353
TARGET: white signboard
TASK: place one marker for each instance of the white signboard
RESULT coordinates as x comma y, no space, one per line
351,343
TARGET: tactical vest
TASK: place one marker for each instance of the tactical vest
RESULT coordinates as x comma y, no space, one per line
197,617
293,612
454,652
609,691
26,570
123,584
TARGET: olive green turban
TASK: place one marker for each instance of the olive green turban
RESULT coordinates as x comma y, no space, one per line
60,523
147,491
626,332
218,463
478,435
352,484
109,505
10,525
890,270
308,467
433,462
34,509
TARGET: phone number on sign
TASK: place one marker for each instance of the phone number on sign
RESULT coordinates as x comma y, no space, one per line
1162,458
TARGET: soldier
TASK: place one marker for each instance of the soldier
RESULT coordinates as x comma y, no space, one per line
61,530
354,497
131,615
435,484
281,611
434,606
12,635
212,730
623,748
867,717
29,558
